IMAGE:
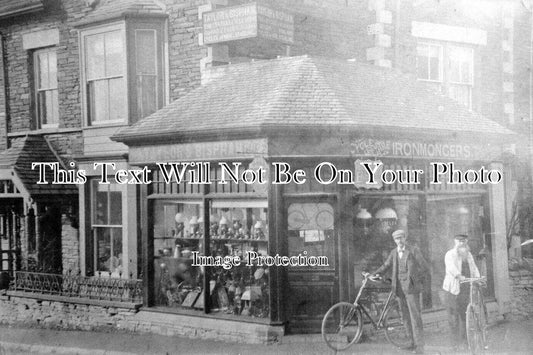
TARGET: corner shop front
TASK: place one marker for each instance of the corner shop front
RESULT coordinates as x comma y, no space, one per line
223,121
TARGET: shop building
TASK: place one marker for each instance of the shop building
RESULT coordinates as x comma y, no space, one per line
320,111
119,66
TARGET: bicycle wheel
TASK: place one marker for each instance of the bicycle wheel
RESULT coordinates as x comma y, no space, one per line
342,326
395,326
474,330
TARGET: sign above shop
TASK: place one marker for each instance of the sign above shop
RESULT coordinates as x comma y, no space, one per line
222,150
412,149
247,21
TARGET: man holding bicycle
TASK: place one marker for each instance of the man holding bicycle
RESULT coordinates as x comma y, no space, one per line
459,264
408,272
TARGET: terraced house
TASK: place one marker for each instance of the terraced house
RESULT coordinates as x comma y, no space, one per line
226,86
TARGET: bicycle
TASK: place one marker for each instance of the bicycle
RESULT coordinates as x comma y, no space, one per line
342,324
476,316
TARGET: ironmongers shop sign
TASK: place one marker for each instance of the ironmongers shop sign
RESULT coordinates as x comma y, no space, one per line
393,148
247,21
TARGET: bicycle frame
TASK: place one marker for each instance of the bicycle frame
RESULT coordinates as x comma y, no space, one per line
379,323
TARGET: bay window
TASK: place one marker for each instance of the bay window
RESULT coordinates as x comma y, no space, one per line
122,70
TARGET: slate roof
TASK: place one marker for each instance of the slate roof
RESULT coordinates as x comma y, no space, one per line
114,9
10,8
22,154
308,92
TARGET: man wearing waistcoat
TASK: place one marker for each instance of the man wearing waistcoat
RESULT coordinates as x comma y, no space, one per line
408,272
459,264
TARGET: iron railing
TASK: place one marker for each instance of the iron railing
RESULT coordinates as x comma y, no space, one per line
83,287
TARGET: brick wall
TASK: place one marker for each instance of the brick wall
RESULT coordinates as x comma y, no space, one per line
521,283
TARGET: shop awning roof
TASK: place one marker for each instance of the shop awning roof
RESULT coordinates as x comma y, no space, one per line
10,8
19,159
114,9
303,92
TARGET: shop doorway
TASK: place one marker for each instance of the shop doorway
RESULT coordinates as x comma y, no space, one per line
313,284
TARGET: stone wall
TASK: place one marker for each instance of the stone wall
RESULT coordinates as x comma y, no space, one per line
70,245
521,283
60,315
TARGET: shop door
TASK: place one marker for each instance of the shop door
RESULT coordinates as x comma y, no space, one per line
313,283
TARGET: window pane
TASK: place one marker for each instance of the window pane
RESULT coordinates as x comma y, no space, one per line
95,59
98,100
115,211
114,53
100,204
434,66
103,249
55,110
311,230
146,51
460,65
115,264
117,99
146,95
43,70
422,68
52,69
49,107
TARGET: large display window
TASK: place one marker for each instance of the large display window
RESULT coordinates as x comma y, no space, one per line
237,231
430,221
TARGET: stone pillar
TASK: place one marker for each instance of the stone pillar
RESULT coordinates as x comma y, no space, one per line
70,245
499,243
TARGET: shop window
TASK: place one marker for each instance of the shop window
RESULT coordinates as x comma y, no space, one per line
122,72
311,227
106,225
46,93
236,229
445,216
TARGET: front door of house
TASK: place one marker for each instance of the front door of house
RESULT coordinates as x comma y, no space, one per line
312,241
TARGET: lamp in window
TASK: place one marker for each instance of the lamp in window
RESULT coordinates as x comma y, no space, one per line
363,218
388,218
193,226
180,224
223,226
258,230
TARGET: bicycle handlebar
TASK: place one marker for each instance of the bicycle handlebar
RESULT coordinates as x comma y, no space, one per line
481,279
373,278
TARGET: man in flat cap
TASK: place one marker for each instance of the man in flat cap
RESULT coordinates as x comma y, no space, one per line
459,264
408,272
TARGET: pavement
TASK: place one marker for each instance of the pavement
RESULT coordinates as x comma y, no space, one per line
504,338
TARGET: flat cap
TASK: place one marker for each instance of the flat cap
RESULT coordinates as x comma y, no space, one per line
398,232
460,236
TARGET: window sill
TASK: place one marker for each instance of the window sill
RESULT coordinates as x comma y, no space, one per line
74,300
107,125
44,131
